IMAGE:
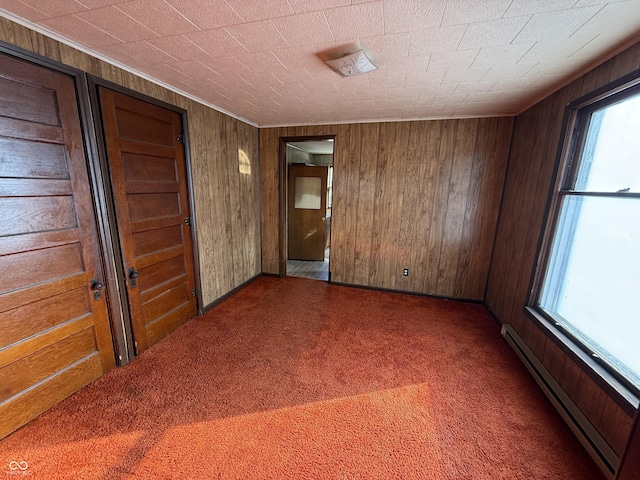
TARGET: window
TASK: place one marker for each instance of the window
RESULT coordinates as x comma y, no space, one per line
590,289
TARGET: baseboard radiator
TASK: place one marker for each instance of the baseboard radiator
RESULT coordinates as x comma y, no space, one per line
586,433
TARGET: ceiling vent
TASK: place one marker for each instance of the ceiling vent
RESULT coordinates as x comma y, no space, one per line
352,64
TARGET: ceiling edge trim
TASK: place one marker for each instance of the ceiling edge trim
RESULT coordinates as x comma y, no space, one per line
583,71
390,120
55,36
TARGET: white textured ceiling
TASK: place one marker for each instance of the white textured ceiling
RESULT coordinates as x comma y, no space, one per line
261,60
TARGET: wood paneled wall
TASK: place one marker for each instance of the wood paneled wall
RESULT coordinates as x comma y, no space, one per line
224,161
530,174
421,195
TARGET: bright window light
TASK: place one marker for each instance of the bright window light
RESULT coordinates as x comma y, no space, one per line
592,282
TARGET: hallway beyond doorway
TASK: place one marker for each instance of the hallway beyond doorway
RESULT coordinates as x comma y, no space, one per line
314,270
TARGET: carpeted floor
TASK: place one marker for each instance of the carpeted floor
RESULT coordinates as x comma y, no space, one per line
294,378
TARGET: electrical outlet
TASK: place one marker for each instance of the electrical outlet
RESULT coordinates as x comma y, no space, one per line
405,272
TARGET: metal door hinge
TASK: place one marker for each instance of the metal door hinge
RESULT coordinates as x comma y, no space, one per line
194,292
181,139
187,221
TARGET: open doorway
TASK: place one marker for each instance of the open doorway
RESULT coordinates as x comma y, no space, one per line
308,201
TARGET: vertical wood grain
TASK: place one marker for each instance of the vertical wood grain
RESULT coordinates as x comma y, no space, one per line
439,208
456,206
45,46
227,236
366,188
15,34
406,195
349,176
270,200
428,187
343,163
249,172
536,139
408,234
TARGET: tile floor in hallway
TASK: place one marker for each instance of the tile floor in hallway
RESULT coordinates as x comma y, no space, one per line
315,270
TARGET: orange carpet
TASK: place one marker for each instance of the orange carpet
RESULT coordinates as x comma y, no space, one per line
294,378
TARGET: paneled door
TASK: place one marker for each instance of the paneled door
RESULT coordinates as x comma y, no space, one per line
307,212
148,178
55,335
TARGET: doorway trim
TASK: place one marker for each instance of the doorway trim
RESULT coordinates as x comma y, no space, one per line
283,188
95,175
124,336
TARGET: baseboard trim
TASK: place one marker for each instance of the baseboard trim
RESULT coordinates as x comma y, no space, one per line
273,275
208,307
408,292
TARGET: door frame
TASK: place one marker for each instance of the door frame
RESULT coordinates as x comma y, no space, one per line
284,193
117,277
79,78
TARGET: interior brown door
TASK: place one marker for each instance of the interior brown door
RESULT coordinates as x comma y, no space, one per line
307,212
54,328
148,177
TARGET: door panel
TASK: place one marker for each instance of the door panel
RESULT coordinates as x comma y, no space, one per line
307,213
148,176
54,334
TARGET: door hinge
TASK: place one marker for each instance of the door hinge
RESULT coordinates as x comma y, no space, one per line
194,292
181,139
187,221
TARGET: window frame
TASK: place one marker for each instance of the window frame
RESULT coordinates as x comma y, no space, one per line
573,137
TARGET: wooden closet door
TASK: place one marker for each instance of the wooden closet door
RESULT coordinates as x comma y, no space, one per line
307,212
148,177
55,335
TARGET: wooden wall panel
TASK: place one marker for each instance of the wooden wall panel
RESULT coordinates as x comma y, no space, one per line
226,198
269,191
366,188
530,175
630,467
420,195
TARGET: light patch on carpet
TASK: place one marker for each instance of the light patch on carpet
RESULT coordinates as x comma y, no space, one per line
339,438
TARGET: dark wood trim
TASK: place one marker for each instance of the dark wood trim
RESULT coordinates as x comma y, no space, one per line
579,193
406,292
95,82
624,396
101,82
550,215
572,137
235,290
192,207
282,207
618,392
583,108
122,348
121,321
39,60
630,80
282,188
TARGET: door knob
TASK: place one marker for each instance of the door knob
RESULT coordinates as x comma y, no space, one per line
96,286
133,274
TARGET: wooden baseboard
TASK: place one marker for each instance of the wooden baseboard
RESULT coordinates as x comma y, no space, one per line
208,307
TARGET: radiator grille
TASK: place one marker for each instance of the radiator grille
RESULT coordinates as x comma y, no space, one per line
586,433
